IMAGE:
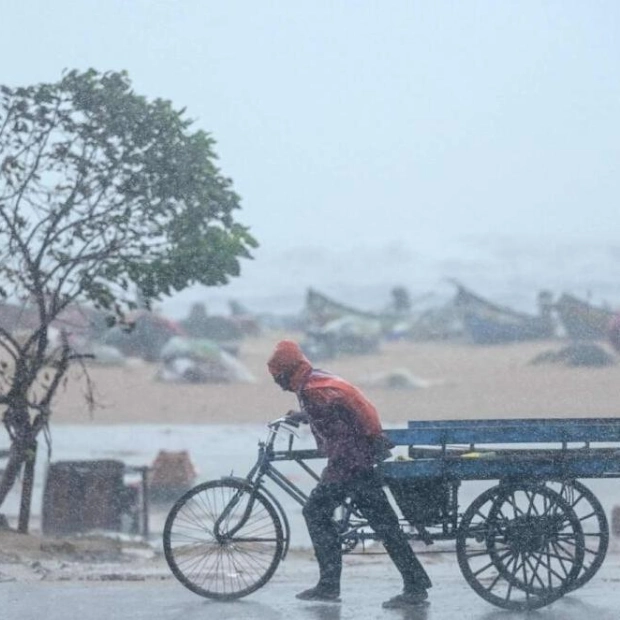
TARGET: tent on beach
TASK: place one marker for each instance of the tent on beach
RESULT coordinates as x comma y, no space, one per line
198,360
142,334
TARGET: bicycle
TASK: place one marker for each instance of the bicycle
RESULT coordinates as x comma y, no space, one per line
225,538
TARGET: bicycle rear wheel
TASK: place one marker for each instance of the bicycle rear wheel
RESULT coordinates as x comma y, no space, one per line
223,539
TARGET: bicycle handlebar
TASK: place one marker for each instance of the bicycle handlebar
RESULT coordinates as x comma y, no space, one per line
275,424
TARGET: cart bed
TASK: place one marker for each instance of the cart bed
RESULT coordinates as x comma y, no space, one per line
514,448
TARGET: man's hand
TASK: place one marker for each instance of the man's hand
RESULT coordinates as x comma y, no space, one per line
296,418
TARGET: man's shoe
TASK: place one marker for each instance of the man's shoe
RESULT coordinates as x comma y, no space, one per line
407,599
320,594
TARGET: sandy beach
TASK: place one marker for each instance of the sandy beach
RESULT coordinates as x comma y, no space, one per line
464,381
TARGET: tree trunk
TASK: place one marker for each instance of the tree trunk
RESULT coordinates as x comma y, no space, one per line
16,458
27,487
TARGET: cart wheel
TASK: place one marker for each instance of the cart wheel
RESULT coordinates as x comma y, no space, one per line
520,546
593,522
223,539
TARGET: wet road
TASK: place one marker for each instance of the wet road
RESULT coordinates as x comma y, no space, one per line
366,584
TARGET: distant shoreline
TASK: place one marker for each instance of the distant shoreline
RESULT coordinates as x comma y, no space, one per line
466,381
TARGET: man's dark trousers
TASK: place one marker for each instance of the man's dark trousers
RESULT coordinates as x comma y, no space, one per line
367,493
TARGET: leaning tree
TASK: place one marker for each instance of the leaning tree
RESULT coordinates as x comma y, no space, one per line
102,192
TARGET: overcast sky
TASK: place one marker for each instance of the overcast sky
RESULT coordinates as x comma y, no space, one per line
370,122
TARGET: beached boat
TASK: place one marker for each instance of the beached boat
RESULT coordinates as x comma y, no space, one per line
437,322
321,309
333,328
488,323
582,320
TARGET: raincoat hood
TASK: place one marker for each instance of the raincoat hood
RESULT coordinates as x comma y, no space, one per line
288,359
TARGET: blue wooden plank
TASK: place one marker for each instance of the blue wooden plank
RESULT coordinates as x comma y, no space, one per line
466,422
526,468
495,431
401,436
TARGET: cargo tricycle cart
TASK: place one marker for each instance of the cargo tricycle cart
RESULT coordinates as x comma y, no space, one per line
535,532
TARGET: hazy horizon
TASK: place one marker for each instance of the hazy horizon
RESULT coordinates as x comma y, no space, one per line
509,271
468,137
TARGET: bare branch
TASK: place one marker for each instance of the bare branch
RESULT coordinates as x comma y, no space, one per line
65,208
8,117
8,343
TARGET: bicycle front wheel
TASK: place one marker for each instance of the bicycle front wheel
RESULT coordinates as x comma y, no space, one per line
223,539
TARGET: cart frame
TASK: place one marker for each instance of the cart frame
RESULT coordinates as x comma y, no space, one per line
534,535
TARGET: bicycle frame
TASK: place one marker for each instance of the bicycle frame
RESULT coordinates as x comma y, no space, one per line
255,479
264,468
